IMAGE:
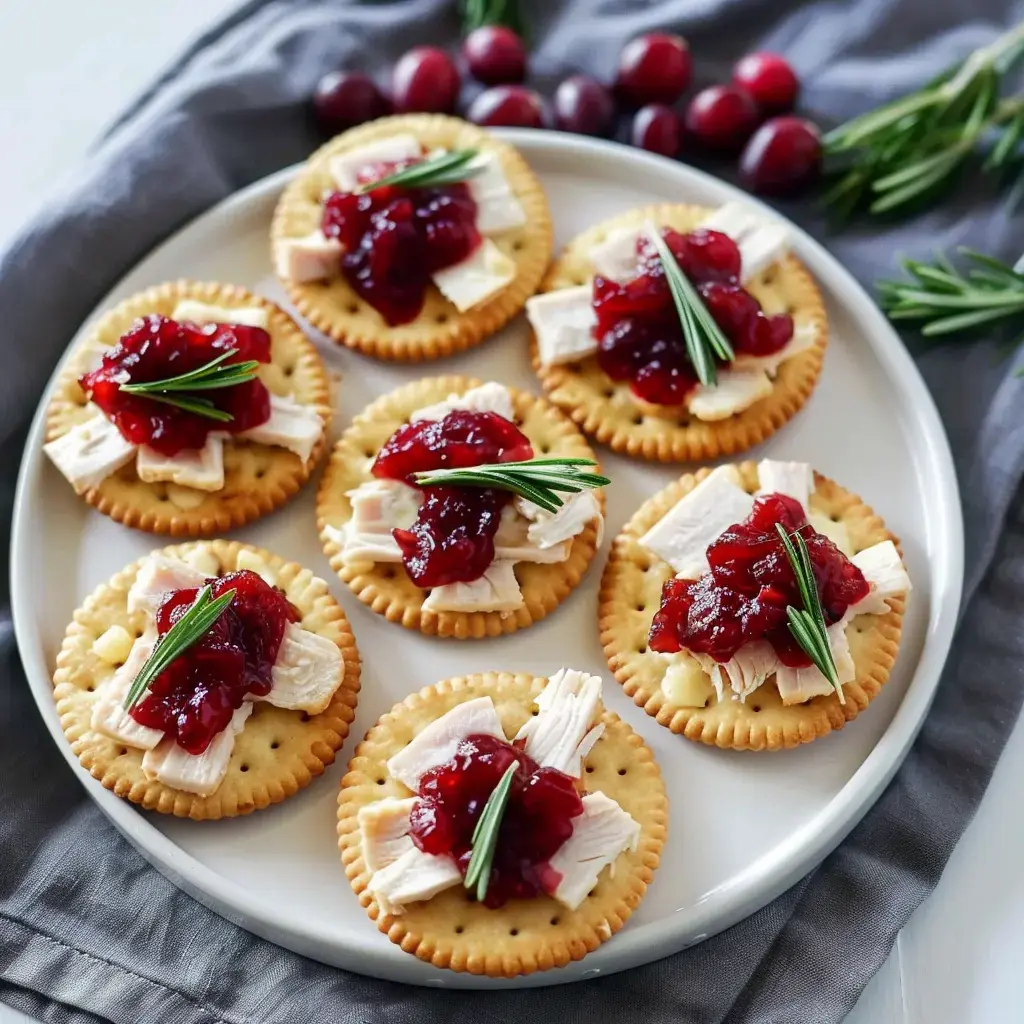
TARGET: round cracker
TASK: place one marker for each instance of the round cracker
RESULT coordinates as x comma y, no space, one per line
631,594
608,411
440,329
524,936
258,478
278,752
386,588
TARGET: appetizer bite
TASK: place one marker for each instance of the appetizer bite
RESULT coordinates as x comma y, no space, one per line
207,680
502,824
460,508
412,237
679,332
755,606
190,409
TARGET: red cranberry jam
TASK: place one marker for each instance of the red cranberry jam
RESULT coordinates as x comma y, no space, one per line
452,539
744,596
638,332
194,697
156,348
395,238
538,816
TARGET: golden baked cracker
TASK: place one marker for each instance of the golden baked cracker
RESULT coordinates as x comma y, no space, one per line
440,329
386,587
258,478
631,594
607,410
528,935
277,753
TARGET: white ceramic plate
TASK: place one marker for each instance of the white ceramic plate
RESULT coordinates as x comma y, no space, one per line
743,826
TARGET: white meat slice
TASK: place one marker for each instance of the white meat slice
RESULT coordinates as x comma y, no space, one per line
805,336
497,590
602,832
489,397
414,876
313,257
364,547
90,452
563,323
512,542
744,672
199,468
797,685
345,168
682,536
204,313
291,425
735,391
380,506
437,742
307,672
765,245
474,280
548,529
202,773
108,713
884,570
733,219
497,208
158,576
384,831
794,479
561,734
615,257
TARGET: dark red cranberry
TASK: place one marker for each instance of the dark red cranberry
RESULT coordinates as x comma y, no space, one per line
193,699
656,128
654,68
744,595
425,79
583,105
512,106
784,156
707,256
770,81
495,55
156,348
538,816
721,118
346,98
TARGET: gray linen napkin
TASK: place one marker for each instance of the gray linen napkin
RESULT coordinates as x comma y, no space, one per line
88,931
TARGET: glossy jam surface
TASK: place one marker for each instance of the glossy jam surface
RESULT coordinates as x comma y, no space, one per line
452,539
744,595
639,336
195,697
156,348
395,238
537,821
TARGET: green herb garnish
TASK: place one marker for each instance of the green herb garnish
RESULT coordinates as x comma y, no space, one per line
704,338
187,631
807,624
476,13
537,480
485,835
442,169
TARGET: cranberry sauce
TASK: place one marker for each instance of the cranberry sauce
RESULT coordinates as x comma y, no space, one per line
751,581
638,332
156,348
538,816
452,539
395,238
194,697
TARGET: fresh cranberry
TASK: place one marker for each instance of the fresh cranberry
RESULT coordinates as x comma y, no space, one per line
654,68
656,128
750,583
512,106
193,699
769,79
495,55
425,79
155,348
783,156
721,118
583,105
395,239
537,820
346,98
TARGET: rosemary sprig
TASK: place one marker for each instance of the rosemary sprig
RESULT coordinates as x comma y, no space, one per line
210,376
904,152
944,300
704,338
485,835
442,169
807,624
537,480
187,631
476,13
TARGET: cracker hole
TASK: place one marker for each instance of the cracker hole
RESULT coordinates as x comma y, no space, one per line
517,245
590,769
389,572
768,277
535,712
91,687
544,449
513,932
638,419
244,768
642,650
353,307
441,318
622,771
554,922
643,565
641,607
274,744
579,280
122,752
609,392
380,782
755,708
459,929
791,309
260,473
305,716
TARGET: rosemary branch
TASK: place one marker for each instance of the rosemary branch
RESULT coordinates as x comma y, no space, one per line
442,169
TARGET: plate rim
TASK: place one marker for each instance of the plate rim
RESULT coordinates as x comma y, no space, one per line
747,892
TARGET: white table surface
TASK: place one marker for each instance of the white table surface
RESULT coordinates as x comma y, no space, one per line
69,67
